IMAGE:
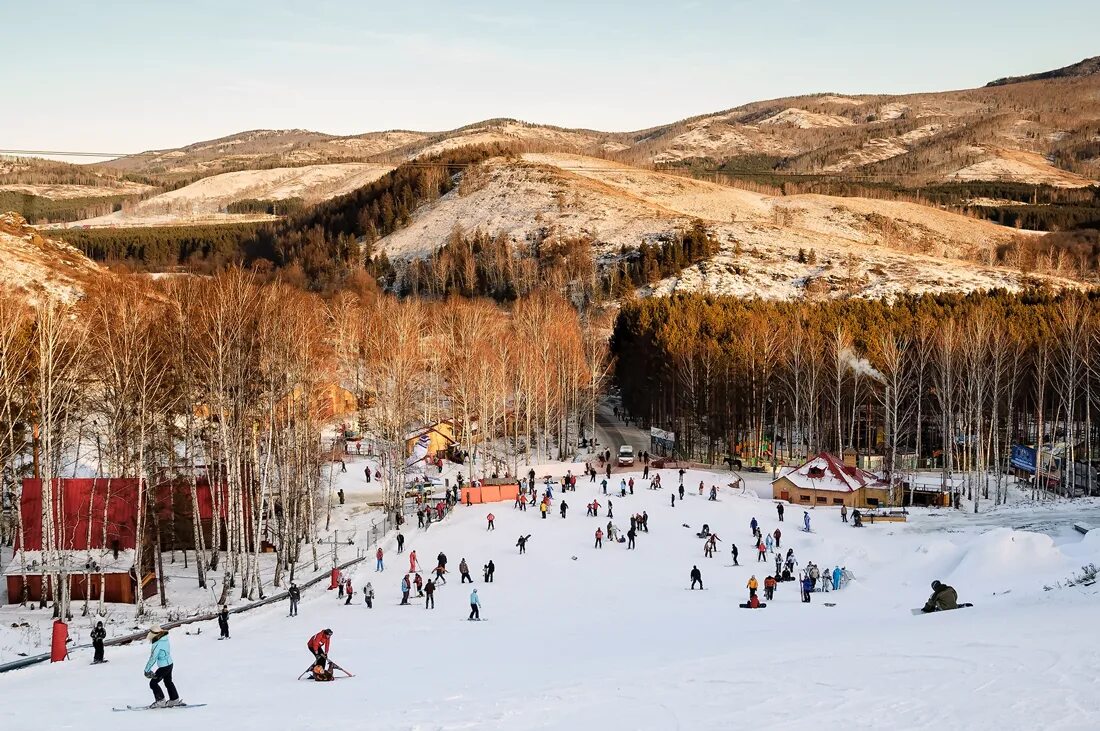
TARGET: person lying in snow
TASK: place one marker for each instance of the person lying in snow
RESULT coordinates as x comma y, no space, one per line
943,598
321,673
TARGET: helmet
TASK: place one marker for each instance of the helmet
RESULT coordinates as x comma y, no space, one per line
328,632
936,585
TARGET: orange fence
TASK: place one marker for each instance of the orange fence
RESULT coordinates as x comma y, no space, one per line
489,494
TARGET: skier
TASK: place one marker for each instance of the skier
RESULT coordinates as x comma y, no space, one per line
475,606
223,623
672,496
400,542
406,587
807,587
412,562
464,570
564,506
294,594
429,595
681,492
943,598
806,520
378,560
770,582
368,595
630,485
630,534
753,585
682,475
753,525
490,569
318,644
713,542
340,585
160,657
762,552
777,535
610,508
522,543
837,573
779,509
843,513
769,542
441,560
418,581
645,521
321,673
696,577
733,553
340,492
713,494
599,538
98,635
489,517
349,590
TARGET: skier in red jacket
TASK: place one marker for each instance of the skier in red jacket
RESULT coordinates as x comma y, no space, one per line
318,645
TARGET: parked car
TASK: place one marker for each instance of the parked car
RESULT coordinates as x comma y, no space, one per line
626,456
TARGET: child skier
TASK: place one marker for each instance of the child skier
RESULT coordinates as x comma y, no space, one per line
98,635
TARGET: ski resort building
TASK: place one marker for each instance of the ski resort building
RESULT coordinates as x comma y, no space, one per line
826,480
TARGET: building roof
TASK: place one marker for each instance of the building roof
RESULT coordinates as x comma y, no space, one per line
827,472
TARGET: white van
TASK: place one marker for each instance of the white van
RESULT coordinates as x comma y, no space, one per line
626,456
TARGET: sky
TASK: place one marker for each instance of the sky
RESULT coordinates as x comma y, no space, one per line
130,75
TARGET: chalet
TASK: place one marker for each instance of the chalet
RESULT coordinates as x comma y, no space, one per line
431,440
826,481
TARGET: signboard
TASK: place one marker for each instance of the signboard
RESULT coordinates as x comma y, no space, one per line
1023,458
666,436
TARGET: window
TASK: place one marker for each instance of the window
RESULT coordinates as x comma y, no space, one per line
820,500
838,501
873,502
803,498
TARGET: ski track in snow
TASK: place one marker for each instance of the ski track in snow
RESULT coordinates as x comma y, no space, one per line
611,640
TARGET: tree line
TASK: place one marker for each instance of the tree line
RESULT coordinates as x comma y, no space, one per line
226,376
950,379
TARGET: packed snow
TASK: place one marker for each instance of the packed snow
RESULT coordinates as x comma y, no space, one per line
576,637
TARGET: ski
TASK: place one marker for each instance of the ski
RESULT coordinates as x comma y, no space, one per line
917,612
159,708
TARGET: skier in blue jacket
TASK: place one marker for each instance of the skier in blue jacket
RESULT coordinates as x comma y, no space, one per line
806,520
836,578
475,605
159,668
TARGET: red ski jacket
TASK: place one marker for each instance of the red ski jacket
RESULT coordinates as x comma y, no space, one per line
319,640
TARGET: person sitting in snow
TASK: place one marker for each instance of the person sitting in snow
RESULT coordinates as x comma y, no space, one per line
943,598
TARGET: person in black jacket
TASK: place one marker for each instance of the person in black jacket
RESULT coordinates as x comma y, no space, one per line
223,623
98,635
295,594
696,577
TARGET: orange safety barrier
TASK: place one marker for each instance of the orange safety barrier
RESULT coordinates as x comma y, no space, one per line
509,492
490,493
471,495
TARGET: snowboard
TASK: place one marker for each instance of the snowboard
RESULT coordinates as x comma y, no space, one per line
920,611
746,606
100,662
481,619
163,708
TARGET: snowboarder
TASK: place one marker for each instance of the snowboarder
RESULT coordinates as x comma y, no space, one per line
294,594
522,543
630,535
806,521
464,570
429,595
943,598
564,506
490,569
406,587
318,644
98,635
368,595
475,606
696,577
349,590
400,542
779,509
753,585
223,623
733,554
378,560
489,518
160,658
599,538
777,535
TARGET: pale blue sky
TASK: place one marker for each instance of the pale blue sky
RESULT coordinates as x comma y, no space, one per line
130,75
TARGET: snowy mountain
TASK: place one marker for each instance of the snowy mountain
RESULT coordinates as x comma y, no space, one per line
38,267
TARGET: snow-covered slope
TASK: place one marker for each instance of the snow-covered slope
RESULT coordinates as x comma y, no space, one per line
41,267
860,246
580,638
205,200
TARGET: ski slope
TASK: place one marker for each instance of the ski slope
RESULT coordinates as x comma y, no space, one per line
614,639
